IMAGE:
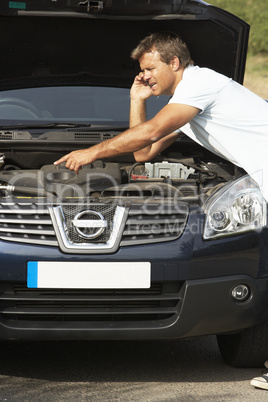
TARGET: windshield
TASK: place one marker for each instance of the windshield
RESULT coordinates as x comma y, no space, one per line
84,104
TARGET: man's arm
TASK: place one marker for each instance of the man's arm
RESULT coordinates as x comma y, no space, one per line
148,153
137,113
139,93
170,118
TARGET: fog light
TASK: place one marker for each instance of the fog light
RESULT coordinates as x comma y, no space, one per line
241,293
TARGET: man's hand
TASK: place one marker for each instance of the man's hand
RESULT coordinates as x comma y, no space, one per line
76,159
140,89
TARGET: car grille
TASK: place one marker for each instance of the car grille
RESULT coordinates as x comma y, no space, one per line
147,223
27,223
151,223
159,303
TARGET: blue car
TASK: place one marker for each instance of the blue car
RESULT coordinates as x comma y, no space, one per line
169,249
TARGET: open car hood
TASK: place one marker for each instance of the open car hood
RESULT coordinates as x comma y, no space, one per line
69,42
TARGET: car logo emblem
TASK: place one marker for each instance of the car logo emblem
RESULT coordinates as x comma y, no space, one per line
89,224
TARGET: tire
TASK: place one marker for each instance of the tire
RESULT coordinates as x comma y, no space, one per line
248,348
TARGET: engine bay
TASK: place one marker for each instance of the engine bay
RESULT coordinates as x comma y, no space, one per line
189,178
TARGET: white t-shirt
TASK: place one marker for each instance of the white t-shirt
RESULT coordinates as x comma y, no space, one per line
232,122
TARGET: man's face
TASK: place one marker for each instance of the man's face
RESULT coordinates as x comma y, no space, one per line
159,76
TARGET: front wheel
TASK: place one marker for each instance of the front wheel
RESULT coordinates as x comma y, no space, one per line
248,348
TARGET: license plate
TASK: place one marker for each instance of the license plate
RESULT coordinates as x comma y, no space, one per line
88,275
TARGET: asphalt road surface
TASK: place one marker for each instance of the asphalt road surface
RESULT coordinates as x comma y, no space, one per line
185,370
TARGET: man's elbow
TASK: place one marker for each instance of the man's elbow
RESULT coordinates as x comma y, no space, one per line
140,157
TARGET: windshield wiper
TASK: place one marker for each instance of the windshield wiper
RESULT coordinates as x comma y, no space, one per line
44,125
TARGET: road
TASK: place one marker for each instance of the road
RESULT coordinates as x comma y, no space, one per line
185,370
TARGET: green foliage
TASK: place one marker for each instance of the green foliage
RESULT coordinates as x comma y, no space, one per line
255,13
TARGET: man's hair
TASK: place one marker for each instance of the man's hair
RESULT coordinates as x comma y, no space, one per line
168,45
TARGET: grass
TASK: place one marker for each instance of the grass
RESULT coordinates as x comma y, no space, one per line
255,13
256,77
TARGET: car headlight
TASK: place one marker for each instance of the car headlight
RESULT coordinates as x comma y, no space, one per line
235,208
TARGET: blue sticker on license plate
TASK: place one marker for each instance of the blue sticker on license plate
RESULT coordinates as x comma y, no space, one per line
17,5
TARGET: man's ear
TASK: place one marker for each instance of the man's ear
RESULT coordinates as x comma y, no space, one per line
175,63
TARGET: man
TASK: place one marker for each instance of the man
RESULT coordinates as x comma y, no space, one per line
212,109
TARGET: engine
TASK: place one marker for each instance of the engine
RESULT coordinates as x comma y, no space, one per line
166,178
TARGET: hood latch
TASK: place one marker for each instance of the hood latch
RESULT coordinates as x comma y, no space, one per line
92,5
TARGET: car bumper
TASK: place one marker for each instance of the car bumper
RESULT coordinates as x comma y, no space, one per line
168,310
203,307
190,293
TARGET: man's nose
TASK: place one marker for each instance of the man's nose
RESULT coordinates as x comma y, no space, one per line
147,75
